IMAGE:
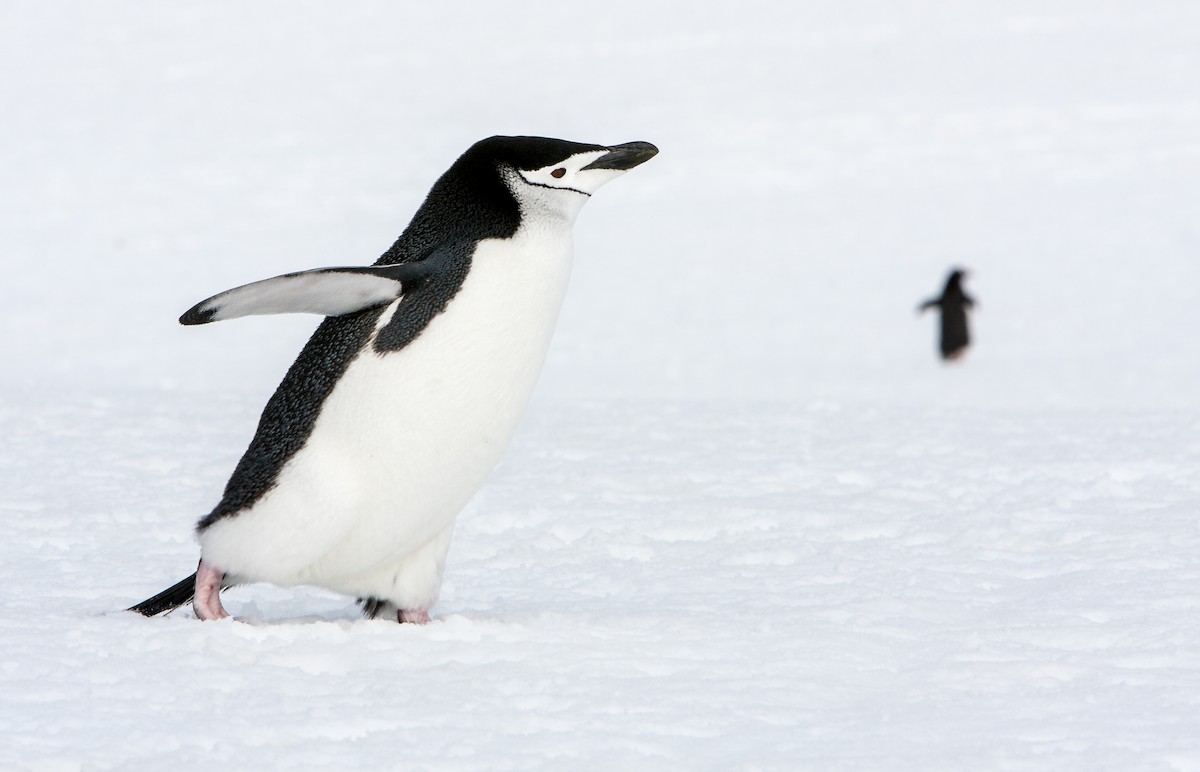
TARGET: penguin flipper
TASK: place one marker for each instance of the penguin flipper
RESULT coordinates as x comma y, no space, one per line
169,599
324,291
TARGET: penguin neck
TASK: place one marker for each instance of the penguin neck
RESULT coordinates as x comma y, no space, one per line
464,206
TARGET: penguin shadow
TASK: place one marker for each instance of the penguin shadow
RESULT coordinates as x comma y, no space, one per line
262,607
300,607
251,614
453,625
952,306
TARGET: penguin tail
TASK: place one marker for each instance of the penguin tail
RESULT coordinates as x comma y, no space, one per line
169,599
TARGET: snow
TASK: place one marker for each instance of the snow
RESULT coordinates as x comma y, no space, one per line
749,522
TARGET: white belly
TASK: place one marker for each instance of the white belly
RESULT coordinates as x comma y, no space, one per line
406,438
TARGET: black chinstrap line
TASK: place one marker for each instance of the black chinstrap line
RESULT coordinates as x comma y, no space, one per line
554,187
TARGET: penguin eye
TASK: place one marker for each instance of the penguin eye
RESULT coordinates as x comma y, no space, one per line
558,173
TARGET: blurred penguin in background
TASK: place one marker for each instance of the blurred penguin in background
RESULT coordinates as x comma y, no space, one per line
953,304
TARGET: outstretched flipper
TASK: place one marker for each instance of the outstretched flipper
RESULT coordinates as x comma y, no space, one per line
324,291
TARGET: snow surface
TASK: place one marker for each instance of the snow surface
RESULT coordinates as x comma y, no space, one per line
750,522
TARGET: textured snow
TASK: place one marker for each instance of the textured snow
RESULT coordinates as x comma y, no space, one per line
750,522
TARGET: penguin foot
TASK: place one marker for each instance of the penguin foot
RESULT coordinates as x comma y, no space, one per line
415,616
208,593
373,608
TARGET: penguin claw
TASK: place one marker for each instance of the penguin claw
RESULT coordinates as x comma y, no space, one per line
372,607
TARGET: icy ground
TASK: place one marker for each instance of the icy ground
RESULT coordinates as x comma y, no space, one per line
749,522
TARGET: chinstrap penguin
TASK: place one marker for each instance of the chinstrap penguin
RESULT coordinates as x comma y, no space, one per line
403,400
953,304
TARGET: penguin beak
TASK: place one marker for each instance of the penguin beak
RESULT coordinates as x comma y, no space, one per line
624,157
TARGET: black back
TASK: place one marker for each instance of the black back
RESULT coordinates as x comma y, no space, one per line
953,304
468,204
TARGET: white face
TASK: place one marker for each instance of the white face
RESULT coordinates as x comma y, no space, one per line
564,186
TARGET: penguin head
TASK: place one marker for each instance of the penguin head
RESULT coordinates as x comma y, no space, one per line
557,176
577,168
954,284
500,182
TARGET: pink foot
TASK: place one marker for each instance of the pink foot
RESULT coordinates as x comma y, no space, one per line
417,616
208,593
